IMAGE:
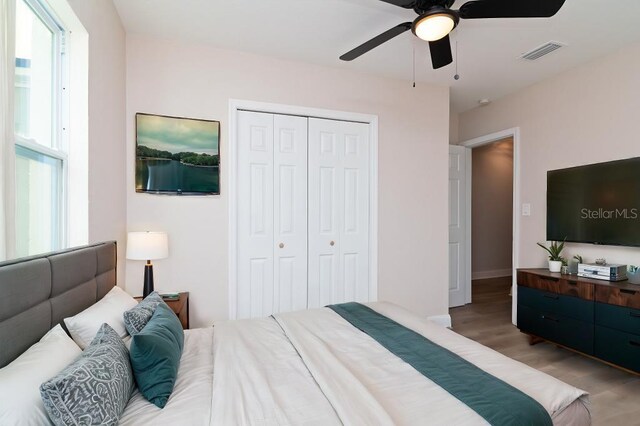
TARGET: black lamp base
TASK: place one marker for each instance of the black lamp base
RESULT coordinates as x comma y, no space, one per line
148,279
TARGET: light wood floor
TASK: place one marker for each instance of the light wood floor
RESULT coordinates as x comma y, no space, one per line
615,394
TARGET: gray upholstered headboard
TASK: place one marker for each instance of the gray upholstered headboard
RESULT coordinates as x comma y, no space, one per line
38,292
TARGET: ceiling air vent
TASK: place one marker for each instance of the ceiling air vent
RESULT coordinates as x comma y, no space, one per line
540,51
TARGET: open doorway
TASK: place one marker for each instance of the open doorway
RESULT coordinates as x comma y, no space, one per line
491,216
491,223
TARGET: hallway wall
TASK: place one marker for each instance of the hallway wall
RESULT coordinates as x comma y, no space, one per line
492,209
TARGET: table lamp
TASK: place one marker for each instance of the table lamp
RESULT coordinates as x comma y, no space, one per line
147,246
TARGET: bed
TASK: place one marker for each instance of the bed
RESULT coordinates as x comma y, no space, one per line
318,366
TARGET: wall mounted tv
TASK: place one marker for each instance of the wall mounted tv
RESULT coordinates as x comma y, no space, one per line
597,203
177,155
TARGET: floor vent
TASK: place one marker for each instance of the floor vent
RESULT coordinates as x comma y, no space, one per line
541,51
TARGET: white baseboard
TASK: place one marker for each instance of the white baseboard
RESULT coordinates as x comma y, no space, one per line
482,275
443,320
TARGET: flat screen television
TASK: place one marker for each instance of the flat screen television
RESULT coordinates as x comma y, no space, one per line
596,203
176,155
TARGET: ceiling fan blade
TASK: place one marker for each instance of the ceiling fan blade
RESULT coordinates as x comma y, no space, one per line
407,4
376,41
477,9
440,52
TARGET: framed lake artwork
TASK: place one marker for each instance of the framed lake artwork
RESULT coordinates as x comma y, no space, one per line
177,155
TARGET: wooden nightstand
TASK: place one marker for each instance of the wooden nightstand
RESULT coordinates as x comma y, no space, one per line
179,306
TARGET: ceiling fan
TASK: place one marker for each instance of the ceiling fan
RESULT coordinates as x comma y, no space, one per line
436,20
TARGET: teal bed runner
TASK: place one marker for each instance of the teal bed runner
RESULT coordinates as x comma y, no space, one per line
497,402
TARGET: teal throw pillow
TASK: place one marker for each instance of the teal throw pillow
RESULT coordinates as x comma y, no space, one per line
155,355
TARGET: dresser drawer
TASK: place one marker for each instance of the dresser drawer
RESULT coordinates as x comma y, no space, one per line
535,322
550,284
553,303
618,317
537,299
575,288
557,328
618,296
618,347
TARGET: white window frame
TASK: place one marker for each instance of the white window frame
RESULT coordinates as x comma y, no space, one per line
60,115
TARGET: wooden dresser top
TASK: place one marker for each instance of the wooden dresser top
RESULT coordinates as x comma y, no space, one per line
545,273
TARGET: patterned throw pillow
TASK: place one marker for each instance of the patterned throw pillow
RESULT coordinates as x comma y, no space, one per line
95,388
137,317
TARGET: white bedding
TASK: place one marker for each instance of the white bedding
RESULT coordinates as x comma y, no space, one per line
261,380
190,402
312,367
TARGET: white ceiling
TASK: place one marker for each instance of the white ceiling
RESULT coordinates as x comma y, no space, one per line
319,31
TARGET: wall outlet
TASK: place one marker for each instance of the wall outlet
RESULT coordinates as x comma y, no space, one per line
526,209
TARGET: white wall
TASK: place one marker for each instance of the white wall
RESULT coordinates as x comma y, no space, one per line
586,115
197,81
107,86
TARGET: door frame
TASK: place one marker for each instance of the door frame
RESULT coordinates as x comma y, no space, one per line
513,132
238,105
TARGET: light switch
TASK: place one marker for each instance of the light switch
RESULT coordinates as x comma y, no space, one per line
526,209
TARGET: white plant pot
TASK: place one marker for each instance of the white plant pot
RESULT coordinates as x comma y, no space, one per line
555,265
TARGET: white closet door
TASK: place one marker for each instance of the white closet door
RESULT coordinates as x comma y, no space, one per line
255,215
272,214
290,213
338,212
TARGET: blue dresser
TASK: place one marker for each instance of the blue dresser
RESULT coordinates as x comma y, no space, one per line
597,318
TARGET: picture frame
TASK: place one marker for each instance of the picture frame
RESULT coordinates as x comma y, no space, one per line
177,155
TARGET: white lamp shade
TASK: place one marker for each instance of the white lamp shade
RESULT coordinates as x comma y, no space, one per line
147,245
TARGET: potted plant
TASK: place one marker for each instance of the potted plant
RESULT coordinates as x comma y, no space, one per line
555,255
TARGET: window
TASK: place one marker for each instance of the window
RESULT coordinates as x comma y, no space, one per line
41,148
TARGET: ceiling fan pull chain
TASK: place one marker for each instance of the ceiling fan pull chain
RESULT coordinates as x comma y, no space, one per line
456,76
414,65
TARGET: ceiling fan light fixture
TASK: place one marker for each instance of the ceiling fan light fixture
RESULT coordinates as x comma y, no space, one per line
434,25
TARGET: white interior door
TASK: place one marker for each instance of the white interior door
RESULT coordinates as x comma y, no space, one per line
272,214
459,259
338,239
255,214
290,213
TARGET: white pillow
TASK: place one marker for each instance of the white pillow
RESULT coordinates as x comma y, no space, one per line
84,326
20,401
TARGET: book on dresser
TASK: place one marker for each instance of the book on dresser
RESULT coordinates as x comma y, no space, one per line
597,318
170,295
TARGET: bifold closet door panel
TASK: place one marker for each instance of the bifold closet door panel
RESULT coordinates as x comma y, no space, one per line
255,215
338,212
272,214
290,213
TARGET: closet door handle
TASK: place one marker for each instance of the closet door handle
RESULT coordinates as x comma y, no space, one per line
332,243
281,245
